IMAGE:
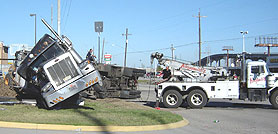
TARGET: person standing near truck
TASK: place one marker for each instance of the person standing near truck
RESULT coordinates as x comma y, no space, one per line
90,56
166,74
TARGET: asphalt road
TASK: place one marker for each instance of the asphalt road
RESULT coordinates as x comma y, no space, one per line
218,117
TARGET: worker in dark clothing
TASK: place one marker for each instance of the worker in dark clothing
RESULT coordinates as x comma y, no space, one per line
166,74
90,56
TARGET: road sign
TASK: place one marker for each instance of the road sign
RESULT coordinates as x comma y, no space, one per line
107,58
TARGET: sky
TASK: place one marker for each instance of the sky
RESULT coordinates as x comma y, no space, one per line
154,25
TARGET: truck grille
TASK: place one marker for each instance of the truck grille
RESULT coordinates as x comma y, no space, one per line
62,71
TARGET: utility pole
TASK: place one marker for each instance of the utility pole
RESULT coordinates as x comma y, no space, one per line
126,42
172,49
52,15
98,57
59,17
99,29
35,27
102,50
200,43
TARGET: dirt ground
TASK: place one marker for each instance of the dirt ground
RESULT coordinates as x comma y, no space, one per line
6,91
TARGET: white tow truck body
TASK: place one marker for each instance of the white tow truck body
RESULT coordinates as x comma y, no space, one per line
260,84
219,89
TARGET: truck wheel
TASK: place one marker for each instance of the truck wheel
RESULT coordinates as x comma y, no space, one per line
8,80
197,99
274,99
172,99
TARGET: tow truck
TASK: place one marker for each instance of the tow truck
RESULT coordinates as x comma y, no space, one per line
196,85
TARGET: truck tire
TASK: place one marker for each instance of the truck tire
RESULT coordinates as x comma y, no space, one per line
274,99
172,99
196,99
8,80
100,91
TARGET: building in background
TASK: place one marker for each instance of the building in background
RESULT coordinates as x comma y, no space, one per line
4,66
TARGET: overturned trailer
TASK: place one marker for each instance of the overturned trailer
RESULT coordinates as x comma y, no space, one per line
120,82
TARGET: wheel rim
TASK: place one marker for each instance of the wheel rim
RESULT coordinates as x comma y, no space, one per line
6,81
197,99
172,99
276,99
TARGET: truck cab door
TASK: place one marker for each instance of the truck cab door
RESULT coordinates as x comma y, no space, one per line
256,76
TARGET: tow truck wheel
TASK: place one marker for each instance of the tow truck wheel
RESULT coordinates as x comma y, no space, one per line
274,99
172,99
196,99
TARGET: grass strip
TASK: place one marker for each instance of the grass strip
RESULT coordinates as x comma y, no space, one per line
107,112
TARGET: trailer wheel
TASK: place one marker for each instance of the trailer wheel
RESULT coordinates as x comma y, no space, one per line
197,99
172,99
274,99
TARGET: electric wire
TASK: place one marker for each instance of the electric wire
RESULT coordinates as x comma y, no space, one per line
66,20
193,43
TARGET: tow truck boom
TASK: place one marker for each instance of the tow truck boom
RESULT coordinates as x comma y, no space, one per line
185,70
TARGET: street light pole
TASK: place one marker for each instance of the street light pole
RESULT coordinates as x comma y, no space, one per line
243,62
243,42
35,26
126,43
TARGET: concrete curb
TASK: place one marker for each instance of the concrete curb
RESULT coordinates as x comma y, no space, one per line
93,128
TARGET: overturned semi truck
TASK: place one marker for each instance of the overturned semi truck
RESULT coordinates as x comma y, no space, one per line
54,73
31,67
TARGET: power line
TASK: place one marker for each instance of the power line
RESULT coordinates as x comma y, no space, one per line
241,25
240,38
152,50
177,23
193,43
67,16
64,7
183,13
